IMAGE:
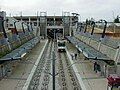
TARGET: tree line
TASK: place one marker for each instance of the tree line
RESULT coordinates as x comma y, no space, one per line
116,20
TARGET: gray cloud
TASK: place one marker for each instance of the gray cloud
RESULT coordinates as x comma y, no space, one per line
86,8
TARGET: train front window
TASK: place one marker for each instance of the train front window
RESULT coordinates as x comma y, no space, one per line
61,44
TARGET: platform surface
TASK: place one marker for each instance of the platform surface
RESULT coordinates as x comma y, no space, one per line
22,70
90,79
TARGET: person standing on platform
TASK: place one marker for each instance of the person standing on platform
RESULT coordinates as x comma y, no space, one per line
72,56
76,56
95,67
78,51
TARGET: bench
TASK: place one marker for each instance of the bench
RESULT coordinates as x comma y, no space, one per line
21,51
97,37
88,51
19,45
105,45
108,46
14,48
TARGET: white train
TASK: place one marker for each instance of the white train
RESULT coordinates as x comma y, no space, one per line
61,45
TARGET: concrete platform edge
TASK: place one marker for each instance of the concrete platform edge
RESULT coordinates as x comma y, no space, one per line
26,85
75,69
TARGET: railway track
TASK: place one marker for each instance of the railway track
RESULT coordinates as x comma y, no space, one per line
45,77
41,78
67,78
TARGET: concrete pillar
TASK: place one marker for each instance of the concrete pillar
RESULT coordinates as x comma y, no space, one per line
70,30
89,41
37,21
1,71
118,70
116,59
43,24
8,43
29,21
102,67
99,45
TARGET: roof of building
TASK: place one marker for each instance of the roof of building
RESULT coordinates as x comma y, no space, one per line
11,20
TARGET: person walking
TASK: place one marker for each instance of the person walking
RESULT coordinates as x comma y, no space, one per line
95,67
72,55
78,51
75,55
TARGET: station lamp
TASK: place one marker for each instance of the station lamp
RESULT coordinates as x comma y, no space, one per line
4,32
80,26
31,26
104,29
27,26
86,26
2,26
23,27
93,26
75,18
15,27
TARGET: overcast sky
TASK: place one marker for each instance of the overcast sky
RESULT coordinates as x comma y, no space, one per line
98,9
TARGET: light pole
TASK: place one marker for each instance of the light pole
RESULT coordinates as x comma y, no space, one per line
104,29
103,33
27,27
23,27
80,29
74,23
75,17
2,24
86,26
4,32
53,63
16,31
31,26
80,18
53,70
93,26
15,27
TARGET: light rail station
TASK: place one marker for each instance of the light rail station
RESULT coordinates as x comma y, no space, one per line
58,53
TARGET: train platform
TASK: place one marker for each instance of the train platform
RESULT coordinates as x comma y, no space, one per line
84,68
22,69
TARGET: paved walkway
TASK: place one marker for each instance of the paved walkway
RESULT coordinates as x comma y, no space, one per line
22,70
91,80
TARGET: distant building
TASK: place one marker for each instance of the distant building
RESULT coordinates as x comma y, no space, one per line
49,23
